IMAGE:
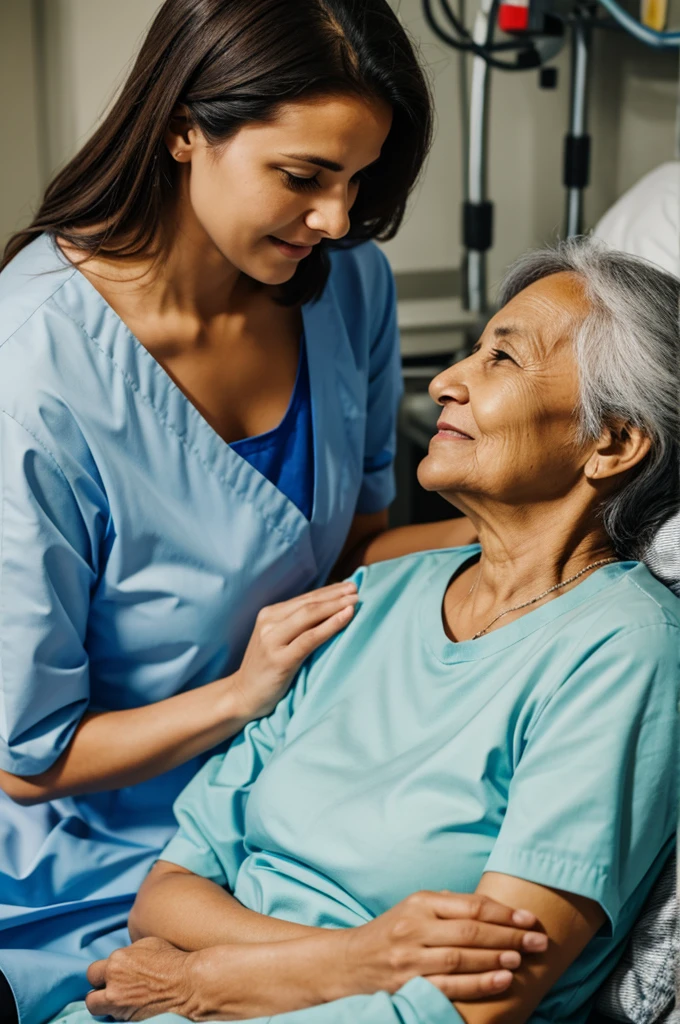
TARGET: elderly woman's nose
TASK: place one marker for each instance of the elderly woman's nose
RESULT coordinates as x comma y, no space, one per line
447,387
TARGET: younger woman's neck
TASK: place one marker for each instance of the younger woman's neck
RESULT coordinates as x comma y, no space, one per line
184,273
193,277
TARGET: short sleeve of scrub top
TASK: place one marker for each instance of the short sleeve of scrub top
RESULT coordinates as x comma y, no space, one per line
376,291
50,536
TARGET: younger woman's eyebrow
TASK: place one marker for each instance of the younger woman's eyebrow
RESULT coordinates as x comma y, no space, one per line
319,161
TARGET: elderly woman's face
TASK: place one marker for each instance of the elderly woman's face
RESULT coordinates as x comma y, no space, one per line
508,427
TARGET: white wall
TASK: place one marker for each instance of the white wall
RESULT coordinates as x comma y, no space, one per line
19,154
88,47
632,115
89,44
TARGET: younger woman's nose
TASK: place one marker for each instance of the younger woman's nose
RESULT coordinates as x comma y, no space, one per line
330,215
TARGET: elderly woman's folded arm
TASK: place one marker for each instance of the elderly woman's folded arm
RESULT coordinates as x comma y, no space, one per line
318,975
193,913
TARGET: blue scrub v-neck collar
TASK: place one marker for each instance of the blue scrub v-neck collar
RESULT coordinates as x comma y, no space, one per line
180,413
431,609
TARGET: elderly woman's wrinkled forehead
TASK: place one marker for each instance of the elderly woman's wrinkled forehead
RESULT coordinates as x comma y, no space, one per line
545,315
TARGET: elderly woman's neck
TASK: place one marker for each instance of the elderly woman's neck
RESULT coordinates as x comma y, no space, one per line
520,560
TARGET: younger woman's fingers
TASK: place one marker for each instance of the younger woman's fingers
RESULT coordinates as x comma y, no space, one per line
303,646
480,908
466,987
285,608
306,618
480,935
442,960
465,933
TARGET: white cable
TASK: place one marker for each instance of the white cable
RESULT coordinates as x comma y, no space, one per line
640,31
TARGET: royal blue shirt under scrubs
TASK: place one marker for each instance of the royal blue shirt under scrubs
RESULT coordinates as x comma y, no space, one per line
285,455
136,548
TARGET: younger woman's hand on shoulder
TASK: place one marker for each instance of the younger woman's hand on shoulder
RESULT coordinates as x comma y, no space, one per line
285,634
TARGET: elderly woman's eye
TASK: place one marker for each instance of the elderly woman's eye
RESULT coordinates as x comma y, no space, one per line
497,354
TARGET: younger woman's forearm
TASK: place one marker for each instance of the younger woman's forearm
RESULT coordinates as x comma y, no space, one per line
194,913
114,749
404,540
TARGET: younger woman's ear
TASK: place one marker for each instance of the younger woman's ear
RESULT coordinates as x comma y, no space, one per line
620,448
178,137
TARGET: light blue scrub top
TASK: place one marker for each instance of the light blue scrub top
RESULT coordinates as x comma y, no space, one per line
402,761
136,548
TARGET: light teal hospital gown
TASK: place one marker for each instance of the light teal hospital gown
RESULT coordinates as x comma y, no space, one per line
402,761
136,549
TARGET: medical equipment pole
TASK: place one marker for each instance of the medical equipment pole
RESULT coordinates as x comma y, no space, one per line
477,210
577,142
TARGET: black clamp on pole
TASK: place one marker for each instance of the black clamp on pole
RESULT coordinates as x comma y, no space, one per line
576,161
478,225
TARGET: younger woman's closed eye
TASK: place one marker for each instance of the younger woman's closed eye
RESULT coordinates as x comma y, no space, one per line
301,184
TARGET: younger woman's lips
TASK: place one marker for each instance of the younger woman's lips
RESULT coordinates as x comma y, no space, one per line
289,249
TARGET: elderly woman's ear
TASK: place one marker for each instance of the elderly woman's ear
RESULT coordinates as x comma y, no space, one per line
620,448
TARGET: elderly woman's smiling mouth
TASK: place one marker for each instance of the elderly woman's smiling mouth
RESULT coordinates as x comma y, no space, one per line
449,432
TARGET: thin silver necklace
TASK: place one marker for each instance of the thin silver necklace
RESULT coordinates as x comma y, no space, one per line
550,590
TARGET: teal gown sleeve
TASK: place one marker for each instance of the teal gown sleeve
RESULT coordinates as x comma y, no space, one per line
587,810
417,1002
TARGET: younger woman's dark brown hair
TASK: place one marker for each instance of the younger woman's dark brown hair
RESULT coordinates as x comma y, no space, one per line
230,63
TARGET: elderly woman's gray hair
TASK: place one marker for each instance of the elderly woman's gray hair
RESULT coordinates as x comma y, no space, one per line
628,354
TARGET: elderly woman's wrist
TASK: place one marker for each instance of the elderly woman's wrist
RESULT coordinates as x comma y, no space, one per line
214,977
259,979
337,976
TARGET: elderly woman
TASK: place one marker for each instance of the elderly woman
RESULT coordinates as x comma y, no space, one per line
496,720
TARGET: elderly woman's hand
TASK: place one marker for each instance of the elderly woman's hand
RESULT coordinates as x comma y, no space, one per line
470,943
149,977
